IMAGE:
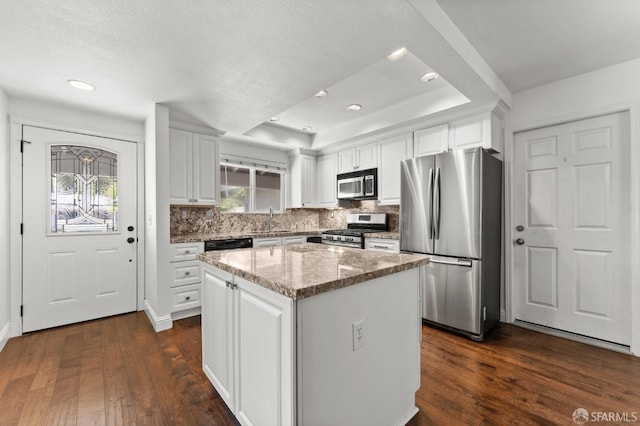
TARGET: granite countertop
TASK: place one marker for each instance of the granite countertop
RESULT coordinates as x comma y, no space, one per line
384,235
192,238
303,270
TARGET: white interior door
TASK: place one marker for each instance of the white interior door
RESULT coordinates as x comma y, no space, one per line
79,227
572,266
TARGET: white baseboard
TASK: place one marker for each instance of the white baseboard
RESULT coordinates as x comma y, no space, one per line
159,323
5,333
503,315
178,315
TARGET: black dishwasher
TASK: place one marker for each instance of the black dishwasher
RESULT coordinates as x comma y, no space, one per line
232,243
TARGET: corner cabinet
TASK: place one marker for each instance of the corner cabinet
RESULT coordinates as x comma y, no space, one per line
392,152
303,180
326,172
248,348
193,168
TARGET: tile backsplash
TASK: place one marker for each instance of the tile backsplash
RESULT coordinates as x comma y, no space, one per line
185,220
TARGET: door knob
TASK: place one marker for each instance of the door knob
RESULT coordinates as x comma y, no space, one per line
519,228
131,240
130,228
519,241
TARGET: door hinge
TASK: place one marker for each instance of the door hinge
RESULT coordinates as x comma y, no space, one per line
22,142
21,311
21,228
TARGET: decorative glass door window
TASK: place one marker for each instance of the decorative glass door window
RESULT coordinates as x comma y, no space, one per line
84,189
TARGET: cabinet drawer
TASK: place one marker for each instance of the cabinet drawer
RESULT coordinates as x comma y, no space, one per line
381,244
186,297
186,251
186,273
297,239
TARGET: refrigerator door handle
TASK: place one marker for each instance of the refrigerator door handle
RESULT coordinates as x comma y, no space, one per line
459,262
430,190
436,205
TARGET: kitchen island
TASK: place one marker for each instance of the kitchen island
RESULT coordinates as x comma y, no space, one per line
313,334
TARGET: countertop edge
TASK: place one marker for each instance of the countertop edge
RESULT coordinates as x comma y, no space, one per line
297,294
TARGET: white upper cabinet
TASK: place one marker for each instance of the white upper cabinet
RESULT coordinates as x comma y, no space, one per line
326,171
392,152
303,180
359,158
431,140
193,168
479,131
482,130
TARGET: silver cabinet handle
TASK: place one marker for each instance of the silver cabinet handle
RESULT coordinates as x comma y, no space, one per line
187,298
519,241
187,273
187,251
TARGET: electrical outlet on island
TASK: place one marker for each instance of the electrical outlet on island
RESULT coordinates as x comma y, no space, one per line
357,329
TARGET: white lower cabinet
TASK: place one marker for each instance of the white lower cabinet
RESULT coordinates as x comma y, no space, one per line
279,241
382,244
248,348
186,282
267,242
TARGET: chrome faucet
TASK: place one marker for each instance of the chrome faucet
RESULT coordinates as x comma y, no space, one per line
271,225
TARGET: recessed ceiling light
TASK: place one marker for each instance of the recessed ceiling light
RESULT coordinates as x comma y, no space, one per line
274,119
321,94
429,76
354,107
398,54
80,85
306,128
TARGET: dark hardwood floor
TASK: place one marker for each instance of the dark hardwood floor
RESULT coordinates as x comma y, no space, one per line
119,371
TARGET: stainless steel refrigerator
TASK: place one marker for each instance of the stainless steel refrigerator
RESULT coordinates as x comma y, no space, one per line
450,208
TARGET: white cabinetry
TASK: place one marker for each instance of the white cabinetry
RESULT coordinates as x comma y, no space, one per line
479,131
382,244
193,168
267,242
279,241
359,158
248,348
431,141
303,180
186,283
326,183
294,239
392,152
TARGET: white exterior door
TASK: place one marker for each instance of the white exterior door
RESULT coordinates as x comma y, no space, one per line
80,230
572,264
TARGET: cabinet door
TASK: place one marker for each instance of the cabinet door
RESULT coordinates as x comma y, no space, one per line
205,170
267,242
308,195
326,181
392,152
431,141
217,333
265,359
180,173
367,156
347,160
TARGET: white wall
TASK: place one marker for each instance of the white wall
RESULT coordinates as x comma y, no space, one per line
5,308
599,92
157,273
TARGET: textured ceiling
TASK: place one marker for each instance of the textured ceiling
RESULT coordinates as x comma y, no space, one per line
529,43
230,65
233,64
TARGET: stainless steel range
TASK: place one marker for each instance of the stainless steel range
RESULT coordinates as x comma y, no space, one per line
357,225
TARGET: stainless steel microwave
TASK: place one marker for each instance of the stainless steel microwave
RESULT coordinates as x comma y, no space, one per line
360,185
